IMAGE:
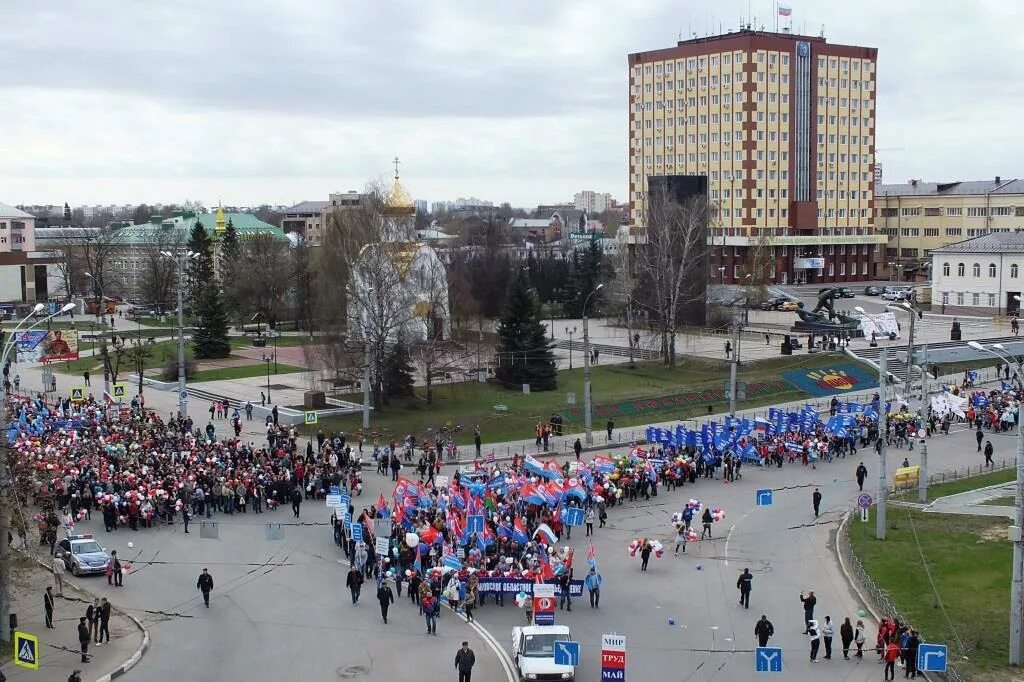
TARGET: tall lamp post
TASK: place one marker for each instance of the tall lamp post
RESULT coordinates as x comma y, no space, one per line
101,310
1017,579
267,360
181,260
6,484
906,307
570,331
586,368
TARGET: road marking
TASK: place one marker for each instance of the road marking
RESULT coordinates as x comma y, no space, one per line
729,536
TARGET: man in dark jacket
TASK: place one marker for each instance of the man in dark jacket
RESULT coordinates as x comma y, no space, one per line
743,584
809,602
862,473
205,585
83,639
464,660
386,598
104,621
354,582
48,606
763,630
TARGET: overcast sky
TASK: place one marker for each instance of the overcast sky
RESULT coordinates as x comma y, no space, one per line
264,101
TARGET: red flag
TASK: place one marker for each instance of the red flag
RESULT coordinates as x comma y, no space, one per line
381,502
591,554
568,559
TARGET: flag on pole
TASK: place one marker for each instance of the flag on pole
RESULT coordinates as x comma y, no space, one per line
785,11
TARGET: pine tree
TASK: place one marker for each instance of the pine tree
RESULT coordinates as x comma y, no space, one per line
524,352
398,369
67,212
230,253
210,339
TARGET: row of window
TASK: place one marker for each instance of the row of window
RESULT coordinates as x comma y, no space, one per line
694,63
976,270
782,251
975,299
952,211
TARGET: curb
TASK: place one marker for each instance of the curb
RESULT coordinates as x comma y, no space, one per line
136,656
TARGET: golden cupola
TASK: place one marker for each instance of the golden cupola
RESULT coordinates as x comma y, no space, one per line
398,202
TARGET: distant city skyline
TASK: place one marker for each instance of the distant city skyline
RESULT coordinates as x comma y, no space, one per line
95,114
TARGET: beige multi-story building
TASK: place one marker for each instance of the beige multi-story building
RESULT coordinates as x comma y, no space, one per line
309,219
783,126
919,217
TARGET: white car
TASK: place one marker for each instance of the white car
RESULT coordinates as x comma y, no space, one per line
533,651
895,294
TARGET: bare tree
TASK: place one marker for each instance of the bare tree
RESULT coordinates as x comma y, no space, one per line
437,356
673,259
623,293
159,277
263,278
67,249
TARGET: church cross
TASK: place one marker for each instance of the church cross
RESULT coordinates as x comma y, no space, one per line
396,167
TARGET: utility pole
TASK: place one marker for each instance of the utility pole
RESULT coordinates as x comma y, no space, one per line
922,479
910,350
1017,581
883,484
182,393
587,407
734,367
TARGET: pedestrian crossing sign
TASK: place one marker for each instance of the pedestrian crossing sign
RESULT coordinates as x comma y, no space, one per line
311,417
119,391
78,394
26,650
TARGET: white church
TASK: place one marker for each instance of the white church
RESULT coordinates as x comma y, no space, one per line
400,285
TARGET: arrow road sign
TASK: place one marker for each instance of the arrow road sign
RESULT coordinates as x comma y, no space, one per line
764,497
475,523
931,658
567,653
768,659
572,516
864,501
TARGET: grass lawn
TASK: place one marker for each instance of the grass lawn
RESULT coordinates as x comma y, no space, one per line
969,560
961,485
472,403
1006,501
240,372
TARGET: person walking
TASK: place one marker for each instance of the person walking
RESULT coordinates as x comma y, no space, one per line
816,501
979,436
48,606
115,575
912,646
763,630
205,585
464,661
645,555
680,539
104,621
589,520
577,448
354,582
988,454
706,519
609,427
431,607
296,502
827,630
846,637
85,377
809,603
565,587
593,583
386,598
92,616
83,639
58,575
743,584
862,474
815,636
859,637
891,655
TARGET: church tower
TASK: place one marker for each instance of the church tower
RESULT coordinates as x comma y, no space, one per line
221,224
399,214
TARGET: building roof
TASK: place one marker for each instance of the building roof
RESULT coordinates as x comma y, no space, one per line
246,224
957,188
527,223
995,243
308,207
571,217
8,211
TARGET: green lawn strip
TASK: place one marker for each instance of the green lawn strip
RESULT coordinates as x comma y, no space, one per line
961,485
282,342
969,561
472,403
1005,501
241,372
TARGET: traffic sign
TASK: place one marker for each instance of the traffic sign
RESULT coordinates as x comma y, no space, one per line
77,394
572,516
613,658
475,523
26,650
764,497
567,653
119,391
864,501
768,659
931,658
183,396
311,417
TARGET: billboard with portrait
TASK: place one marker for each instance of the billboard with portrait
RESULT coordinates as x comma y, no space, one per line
47,346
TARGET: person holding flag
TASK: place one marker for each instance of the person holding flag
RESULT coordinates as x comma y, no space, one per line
593,583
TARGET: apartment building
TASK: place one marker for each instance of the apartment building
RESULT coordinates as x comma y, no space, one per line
783,126
592,202
918,217
309,219
22,268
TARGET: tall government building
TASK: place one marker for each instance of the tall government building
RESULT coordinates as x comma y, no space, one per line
783,126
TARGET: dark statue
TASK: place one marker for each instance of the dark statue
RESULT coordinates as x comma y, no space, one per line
824,318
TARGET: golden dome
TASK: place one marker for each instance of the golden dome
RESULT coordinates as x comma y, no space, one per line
398,200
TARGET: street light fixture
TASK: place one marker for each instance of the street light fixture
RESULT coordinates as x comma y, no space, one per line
267,360
570,332
586,368
5,522
906,307
1017,579
180,261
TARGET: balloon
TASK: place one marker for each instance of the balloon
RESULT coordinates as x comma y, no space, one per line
671,621
131,545
862,613
412,539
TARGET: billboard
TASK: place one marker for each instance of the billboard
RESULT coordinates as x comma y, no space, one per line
47,346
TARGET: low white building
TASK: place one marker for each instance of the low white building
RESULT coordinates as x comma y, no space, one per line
984,274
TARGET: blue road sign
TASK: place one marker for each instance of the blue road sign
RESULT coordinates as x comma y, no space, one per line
475,523
764,497
768,659
931,658
567,653
572,516
357,532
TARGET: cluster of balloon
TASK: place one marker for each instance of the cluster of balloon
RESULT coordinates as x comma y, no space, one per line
522,599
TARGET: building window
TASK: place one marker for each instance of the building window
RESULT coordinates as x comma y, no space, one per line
975,299
959,269
976,270
1013,271
991,300
959,298
945,298
945,269
991,269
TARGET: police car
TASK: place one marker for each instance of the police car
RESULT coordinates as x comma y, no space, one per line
82,555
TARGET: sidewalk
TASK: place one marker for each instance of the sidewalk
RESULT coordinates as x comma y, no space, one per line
59,652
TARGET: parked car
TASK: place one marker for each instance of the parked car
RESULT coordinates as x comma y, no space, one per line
846,292
82,555
895,294
773,303
872,291
789,306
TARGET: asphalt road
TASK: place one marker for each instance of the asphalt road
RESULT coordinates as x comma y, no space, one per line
280,609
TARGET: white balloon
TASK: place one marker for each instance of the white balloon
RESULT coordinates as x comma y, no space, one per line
131,545
412,539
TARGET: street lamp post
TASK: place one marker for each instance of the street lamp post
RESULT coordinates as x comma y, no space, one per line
182,394
906,307
883,483
267,361
1017,579
101,310
570,332
587,408
6,484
